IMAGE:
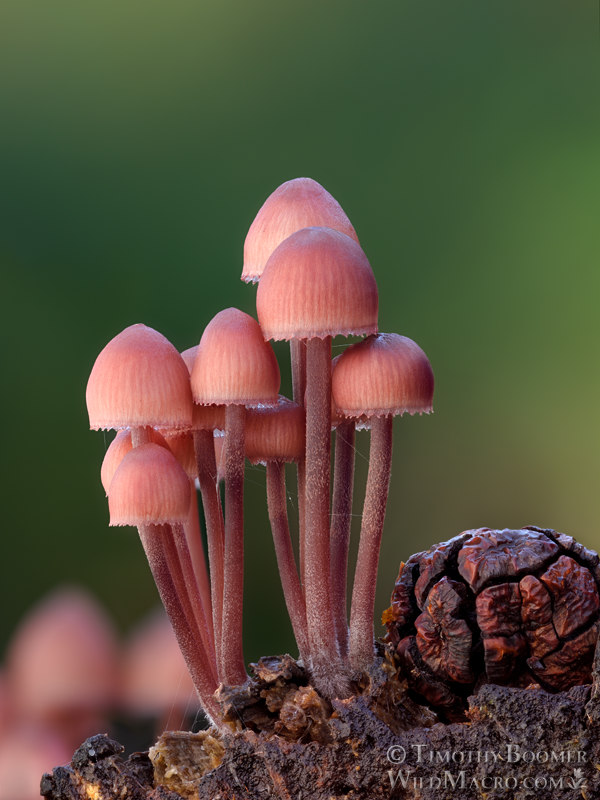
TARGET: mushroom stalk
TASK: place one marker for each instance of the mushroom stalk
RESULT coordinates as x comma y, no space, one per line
365,576
154,540
290,582
192,600
193,537
321,629
298,360
173,547
341,520
215,536
232,653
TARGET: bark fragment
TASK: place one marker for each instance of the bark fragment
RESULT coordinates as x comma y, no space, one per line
526,600
505,730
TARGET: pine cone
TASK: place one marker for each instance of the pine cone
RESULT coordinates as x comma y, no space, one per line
511,607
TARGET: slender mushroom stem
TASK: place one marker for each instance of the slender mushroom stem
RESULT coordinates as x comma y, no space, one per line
290,582
155,542
232,653
321,629
215,530
140,435
365,577
341,520
298,360
193,537
193,597
173,546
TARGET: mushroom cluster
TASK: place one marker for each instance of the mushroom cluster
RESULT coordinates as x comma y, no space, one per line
174,411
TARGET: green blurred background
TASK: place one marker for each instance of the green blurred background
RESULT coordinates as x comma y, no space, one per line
138,140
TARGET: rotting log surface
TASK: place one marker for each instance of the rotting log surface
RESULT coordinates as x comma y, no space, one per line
356,750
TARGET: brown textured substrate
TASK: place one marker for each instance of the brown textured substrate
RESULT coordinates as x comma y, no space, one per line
291,744
512,607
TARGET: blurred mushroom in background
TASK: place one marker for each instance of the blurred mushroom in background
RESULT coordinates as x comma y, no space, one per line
155,681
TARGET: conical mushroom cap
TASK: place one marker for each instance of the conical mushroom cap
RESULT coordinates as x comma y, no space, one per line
155,676
204,418
63,659
234,365
296,204
150,487
139,379
383,375
118,449
275,433
317,283
181,444
189,356
208,418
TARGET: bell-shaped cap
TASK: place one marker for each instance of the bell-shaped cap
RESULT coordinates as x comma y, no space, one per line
181,444
139,379
156,680
296,204
118,449
383,375
63,659
189,356
275,433
234,365
208,418
204,418
150,487
317,283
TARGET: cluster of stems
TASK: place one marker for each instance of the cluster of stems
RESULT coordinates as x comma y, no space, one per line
176,411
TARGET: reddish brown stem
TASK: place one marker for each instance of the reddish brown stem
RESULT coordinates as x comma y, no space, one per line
365,577
301,482
341,520
232,651
215,531
290,582
193,535
298,360
154,540
174,550
180,537
321,630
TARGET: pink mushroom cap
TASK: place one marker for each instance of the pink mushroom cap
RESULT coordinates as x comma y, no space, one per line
275,433
62,659
118,449
317,283
149,487
296,204
138,380
155,678
386,374
204,418
234,364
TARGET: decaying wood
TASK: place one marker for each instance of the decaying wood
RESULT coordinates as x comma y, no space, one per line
290,743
